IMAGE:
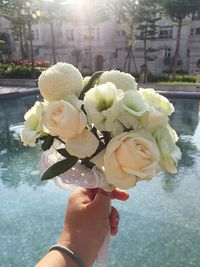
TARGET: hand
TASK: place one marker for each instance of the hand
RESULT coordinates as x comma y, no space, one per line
88,219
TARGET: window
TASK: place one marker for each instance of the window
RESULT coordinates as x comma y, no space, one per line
196,15
168,52
120,33
31,36
197,31
89,34
166,33
139,49
70,35
98,34
117,51
37,35
59,34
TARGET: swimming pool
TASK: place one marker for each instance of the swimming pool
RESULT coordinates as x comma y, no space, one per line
159,225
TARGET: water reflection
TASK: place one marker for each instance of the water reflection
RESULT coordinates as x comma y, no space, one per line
190,156
186,116
17,163
159,223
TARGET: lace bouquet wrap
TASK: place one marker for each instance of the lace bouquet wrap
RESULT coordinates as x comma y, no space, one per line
100,131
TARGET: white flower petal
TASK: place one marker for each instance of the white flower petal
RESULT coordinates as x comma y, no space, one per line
82,145
122,80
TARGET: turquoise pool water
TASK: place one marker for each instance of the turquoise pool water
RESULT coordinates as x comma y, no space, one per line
159,225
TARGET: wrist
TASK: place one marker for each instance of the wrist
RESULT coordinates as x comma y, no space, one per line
82,253
66,259
68,252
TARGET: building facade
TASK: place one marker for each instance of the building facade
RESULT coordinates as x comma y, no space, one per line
104,46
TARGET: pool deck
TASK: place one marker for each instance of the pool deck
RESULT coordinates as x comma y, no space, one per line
15,92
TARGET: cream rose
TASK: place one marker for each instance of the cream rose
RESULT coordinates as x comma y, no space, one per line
82,145
33,124
59,81
64,119
130,157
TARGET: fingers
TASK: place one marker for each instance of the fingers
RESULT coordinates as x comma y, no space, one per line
102,203
114,221
91,193
119,194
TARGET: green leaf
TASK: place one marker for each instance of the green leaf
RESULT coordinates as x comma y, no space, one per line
90,84
87,163
59,168
48,142
63,152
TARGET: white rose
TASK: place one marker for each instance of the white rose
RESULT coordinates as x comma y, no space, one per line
82,145
157,101
169,151
33,124
153,120
64,119
122,80
102,105
59,81
129,157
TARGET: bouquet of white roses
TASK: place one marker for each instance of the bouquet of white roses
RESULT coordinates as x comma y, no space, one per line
100,131
103,121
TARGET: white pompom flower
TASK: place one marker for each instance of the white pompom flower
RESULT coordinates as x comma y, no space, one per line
122,80
59,81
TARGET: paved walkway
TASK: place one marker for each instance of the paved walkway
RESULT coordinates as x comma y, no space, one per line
13,92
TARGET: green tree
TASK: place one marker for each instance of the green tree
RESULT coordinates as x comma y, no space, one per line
126,11
53,12
22,15
30,15
177,11
11,10
4,49
146,19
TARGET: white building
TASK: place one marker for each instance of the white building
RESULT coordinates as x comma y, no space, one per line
104,45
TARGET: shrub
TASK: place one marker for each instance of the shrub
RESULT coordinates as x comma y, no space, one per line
13,71
155,78
186,78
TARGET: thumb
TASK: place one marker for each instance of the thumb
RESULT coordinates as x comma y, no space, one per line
102,201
